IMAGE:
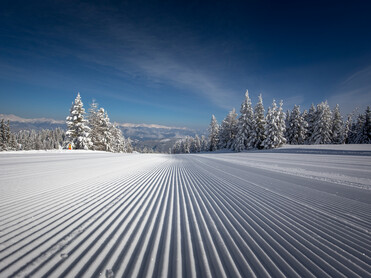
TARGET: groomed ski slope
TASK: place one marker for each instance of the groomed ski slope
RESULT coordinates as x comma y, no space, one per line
291,212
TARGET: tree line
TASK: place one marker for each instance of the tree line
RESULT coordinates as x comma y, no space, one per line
95,132
255,129
30,139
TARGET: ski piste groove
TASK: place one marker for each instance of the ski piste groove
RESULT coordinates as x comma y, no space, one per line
184,216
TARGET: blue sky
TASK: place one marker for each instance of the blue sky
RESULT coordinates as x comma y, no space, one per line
177,62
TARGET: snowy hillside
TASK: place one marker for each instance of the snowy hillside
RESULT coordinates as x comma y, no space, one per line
290,212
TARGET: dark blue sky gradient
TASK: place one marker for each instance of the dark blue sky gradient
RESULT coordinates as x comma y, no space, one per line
176,63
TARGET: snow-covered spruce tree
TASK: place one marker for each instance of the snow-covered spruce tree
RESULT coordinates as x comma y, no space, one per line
281,125
310,119
196,147
213,134
107,135
94,124
128,145
38,140
176,148
223,134
259,123
246,134
274,127
322,129
346,131
367,128
2,142
187,145
362,128
228,130
77,129
296,127
357,129
287,122
6,135
204,144
13,144
118,144
337,126
270,127
7,138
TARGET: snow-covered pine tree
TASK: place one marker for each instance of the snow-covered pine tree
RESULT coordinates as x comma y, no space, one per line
5,133
2,142
362,128
259,123
187,144
77,129
358,129
296,127
118,140
197,144
228,130
346,131
233,128
204,144
7,138
213,134
287,122
337,126
310,119
270,127
322,129
176,148
246,134
128,145
367,128
13,144
94,124
223,134
107,135
274,127
281,124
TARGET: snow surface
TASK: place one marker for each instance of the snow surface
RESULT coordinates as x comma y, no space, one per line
291,212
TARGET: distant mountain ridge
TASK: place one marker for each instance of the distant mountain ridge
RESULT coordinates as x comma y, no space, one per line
14,118
151,133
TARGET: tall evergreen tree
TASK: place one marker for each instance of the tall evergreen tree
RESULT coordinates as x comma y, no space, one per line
363,128
310,119
367,128
213,134
5,135
259,123
322,132
281,125
77,128
118,143
274,127
94,123
228,130
337,126
246,135
2,142
204,144
197,144
347,131
296,127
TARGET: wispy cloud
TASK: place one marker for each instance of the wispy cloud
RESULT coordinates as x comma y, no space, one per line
135,51
354,92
